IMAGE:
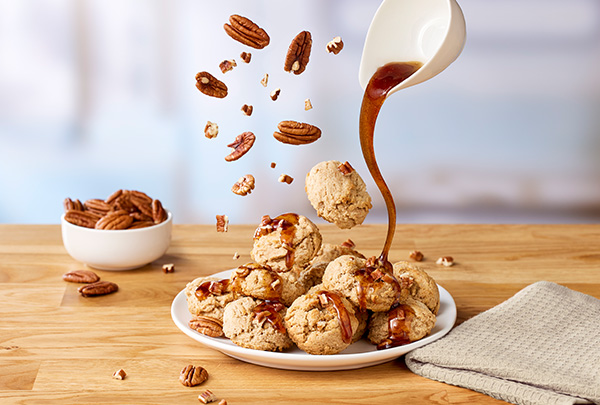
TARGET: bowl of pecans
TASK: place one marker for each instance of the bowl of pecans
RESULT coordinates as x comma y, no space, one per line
125,231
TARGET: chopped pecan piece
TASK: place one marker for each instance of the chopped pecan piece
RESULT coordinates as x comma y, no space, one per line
247,109
298,53
86,219
207,397
191,376
236,256
210,85
245,31
307,105
227,65
296,133
346,168
273,165
445,261
98,288
244,185
211,130
74,205
284,178
119,374
241,145
335,46
275,94
246,57
265,80
416,255
222,223
168,268
81,276
207,326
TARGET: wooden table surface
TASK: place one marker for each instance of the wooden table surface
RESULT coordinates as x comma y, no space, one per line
58,347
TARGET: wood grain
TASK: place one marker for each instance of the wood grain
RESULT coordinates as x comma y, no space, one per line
58,347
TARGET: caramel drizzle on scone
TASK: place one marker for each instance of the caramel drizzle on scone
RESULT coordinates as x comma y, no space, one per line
287,223
399,321
342,313
275,287
371,278
268,311
212,287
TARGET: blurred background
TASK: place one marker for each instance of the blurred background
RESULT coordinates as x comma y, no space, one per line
100,95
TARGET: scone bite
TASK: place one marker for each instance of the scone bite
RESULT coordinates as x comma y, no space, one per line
208,296
285,241
421,285
321,322
409,321
329,252
256,324
338,193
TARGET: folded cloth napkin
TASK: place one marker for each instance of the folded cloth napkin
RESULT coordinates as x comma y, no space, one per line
541,346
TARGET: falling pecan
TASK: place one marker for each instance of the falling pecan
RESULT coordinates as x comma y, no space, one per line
246,57
243,30
191,376
265,80
74,205
244,185
247,109
284,178
275,94
349,243
207,326
241,145
210,85
222,223
227,65
158,212
335,46
81,276
298,53
211,130
307,105
296,133
86,219
114,220
98,288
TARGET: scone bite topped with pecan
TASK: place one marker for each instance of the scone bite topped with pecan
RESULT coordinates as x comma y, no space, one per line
208,296
285,241
338,193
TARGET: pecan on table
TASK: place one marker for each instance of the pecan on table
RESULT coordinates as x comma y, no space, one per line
210,85
243,30
81,276
244,185
82,218
298,53
207,326
115,220
98,288
296,133
191,376
241,145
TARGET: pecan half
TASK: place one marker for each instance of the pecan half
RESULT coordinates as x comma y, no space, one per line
98,288
144,207
191,376
246,57
81,276
298,53
207,397
210,85
247,109
113,197
114,220
207,326
335,46
345,168
227,65
141,224
124,203
75,205
86,219
296,133
211,130
158,212
222,223
243,30
244,185
241,145
140,196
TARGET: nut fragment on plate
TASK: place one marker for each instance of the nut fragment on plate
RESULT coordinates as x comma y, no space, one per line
222,223
346,168
296,133
191,376
207,397
335,46
243,30
244,185
246,57
265,80
247,109
298,53
74,205
241,145
168,268
227,65
81,276
120,374
210,85
211,130
98,288
275,94
416,255
206,325
284,178
445,261
307,105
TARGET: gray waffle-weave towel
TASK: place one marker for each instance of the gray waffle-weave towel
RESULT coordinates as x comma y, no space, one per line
541,346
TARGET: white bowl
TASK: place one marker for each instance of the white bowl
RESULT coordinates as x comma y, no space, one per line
117,250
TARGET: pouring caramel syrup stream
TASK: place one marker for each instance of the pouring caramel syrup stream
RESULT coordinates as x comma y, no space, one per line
385,79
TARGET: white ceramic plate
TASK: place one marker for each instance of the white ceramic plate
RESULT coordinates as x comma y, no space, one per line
359,354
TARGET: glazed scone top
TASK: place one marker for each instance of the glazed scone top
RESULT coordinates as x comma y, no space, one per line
208,296
339,196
